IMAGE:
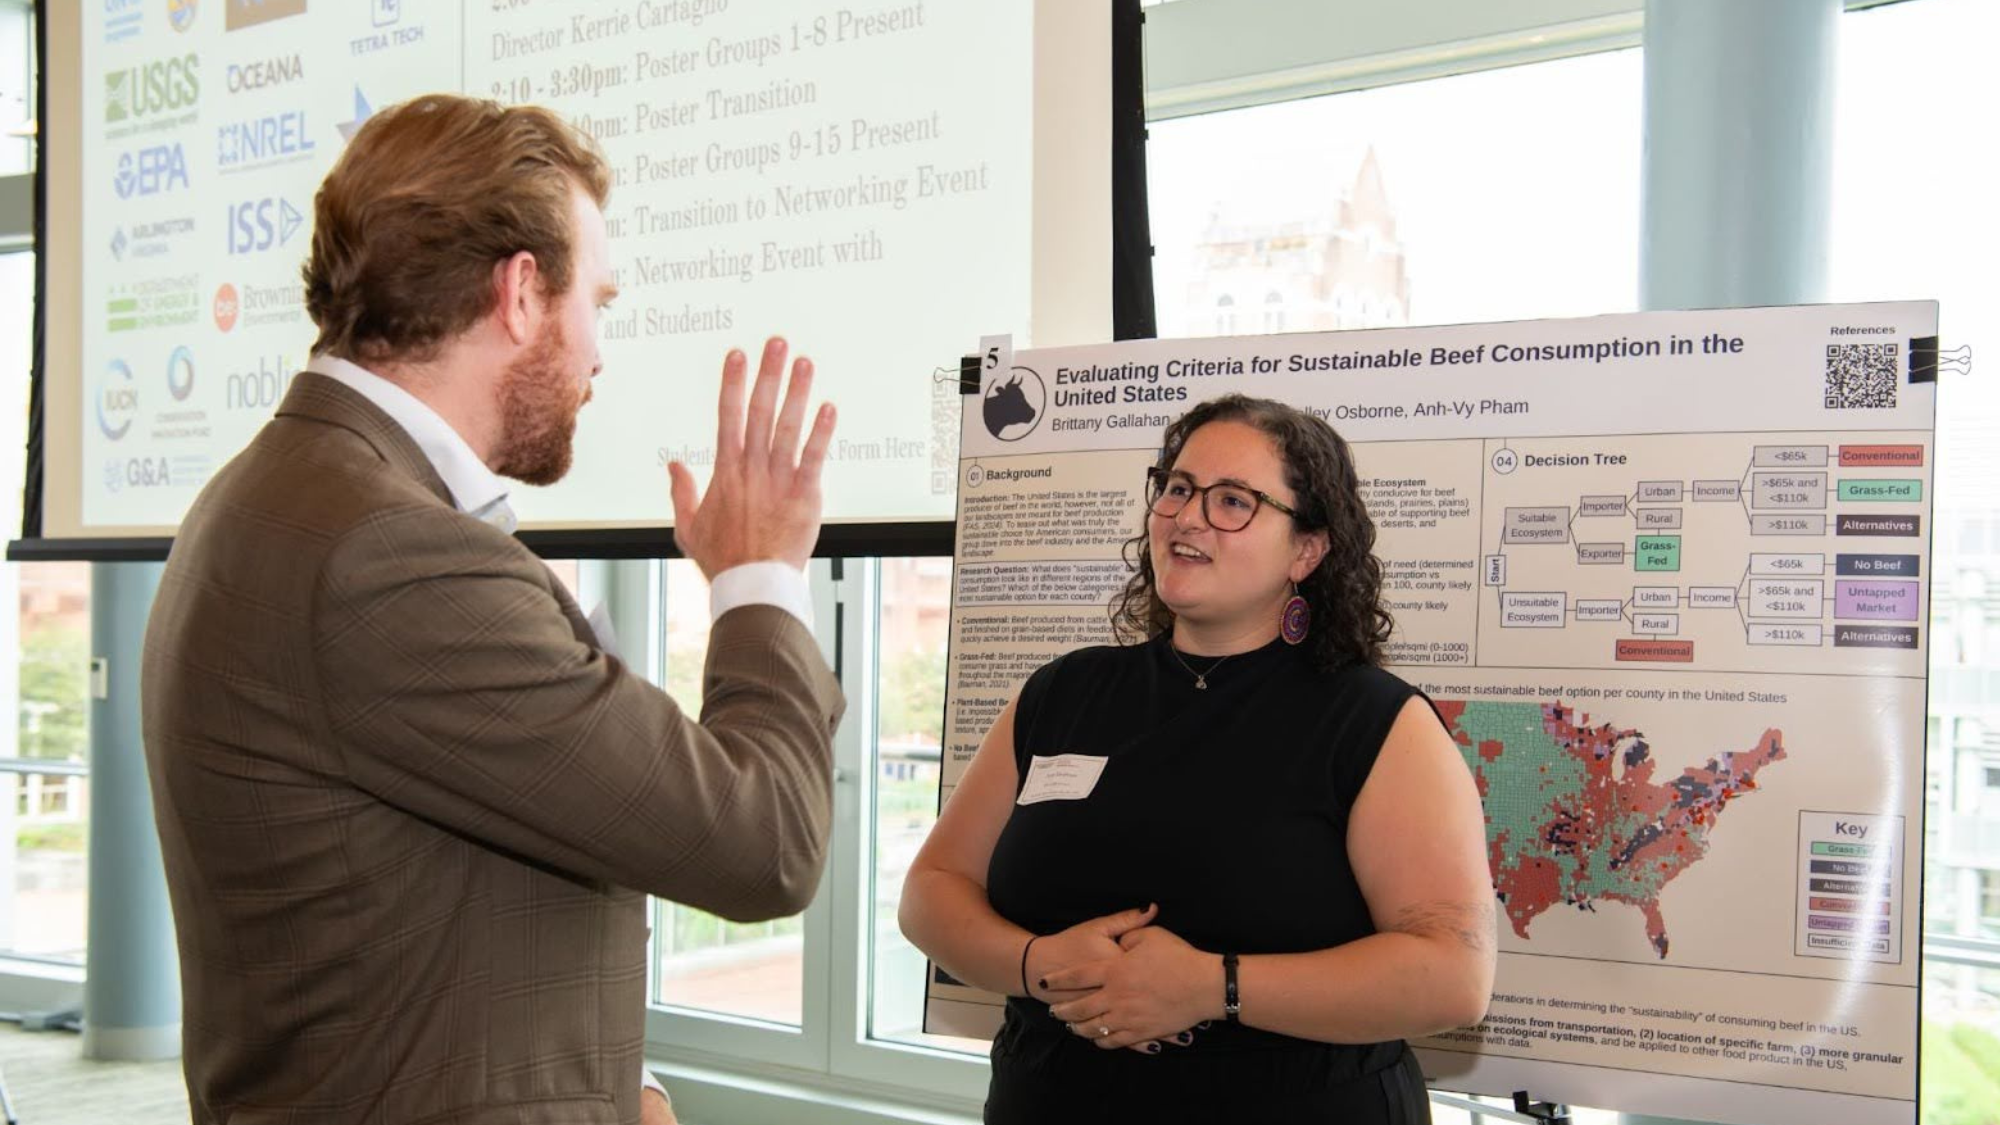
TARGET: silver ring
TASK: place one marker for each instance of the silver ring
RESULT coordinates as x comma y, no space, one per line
1102,1031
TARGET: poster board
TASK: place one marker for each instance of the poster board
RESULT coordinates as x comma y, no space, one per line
1666,577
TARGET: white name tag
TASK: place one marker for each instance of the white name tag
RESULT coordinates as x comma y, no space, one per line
1063,777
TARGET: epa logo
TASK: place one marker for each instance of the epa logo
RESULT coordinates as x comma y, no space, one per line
1012,405
150,171
261,224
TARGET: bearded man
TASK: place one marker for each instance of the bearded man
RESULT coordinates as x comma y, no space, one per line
410,808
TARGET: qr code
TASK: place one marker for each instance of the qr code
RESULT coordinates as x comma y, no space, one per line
946,411
1861,376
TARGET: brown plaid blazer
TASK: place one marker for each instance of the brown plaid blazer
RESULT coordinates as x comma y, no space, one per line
408,808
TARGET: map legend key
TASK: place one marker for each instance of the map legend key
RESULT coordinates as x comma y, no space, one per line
1850,893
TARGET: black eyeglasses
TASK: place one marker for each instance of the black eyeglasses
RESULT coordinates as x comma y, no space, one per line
1226,507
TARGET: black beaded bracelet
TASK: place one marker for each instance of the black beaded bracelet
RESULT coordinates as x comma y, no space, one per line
1025,990
1231,1006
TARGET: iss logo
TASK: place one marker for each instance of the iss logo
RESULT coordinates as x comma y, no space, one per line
181,13
1013,405
260,224
180,374
154,170
117,401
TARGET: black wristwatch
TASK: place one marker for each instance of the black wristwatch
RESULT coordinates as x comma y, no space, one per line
1231,1006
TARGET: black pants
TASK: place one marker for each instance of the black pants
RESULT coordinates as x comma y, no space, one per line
1058,1083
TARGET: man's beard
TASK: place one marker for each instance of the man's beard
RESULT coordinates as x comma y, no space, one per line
538,407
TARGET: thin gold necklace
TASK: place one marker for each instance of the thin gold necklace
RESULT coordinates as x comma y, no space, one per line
1200,678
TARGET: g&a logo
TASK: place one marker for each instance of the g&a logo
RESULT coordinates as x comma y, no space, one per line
150,171
249,13
117,401
227,307
260,224
180,373
151,95
181,13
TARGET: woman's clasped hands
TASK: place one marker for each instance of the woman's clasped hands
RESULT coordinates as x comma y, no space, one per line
1122,982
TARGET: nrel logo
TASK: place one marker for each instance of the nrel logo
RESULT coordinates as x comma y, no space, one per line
117,401
262,140
264,73
249,13
259,389
181,13
151,171
180,373
261,224
152,89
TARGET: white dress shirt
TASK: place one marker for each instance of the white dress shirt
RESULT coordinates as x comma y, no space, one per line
481,493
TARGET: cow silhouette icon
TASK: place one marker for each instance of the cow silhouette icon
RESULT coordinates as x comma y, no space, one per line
1013,404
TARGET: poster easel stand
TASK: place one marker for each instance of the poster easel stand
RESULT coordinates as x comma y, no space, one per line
1555,1113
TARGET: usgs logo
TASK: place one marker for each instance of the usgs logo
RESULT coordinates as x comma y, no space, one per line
260,389
150,89
117,401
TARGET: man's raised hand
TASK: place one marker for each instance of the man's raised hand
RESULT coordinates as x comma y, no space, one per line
763,500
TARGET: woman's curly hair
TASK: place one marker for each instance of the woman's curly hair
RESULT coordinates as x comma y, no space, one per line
1349,624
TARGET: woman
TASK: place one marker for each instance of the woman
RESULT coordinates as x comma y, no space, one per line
1221,874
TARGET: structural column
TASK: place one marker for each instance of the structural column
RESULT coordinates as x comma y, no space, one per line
131,992
1738,160
1738,164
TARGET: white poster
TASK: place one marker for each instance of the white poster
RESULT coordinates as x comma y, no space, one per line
1665,576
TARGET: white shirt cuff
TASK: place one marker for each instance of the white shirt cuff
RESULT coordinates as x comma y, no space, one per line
761,583
648,1082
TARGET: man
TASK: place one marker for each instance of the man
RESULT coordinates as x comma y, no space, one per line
409,807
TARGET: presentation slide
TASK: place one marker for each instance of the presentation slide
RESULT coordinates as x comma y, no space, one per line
1666,578
876,182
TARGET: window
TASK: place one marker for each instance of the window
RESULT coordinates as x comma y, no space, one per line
17,44
1380,221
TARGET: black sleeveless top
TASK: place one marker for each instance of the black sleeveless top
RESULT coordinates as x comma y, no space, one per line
1228,807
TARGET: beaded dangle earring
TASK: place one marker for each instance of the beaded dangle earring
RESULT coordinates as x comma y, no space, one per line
1295,620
